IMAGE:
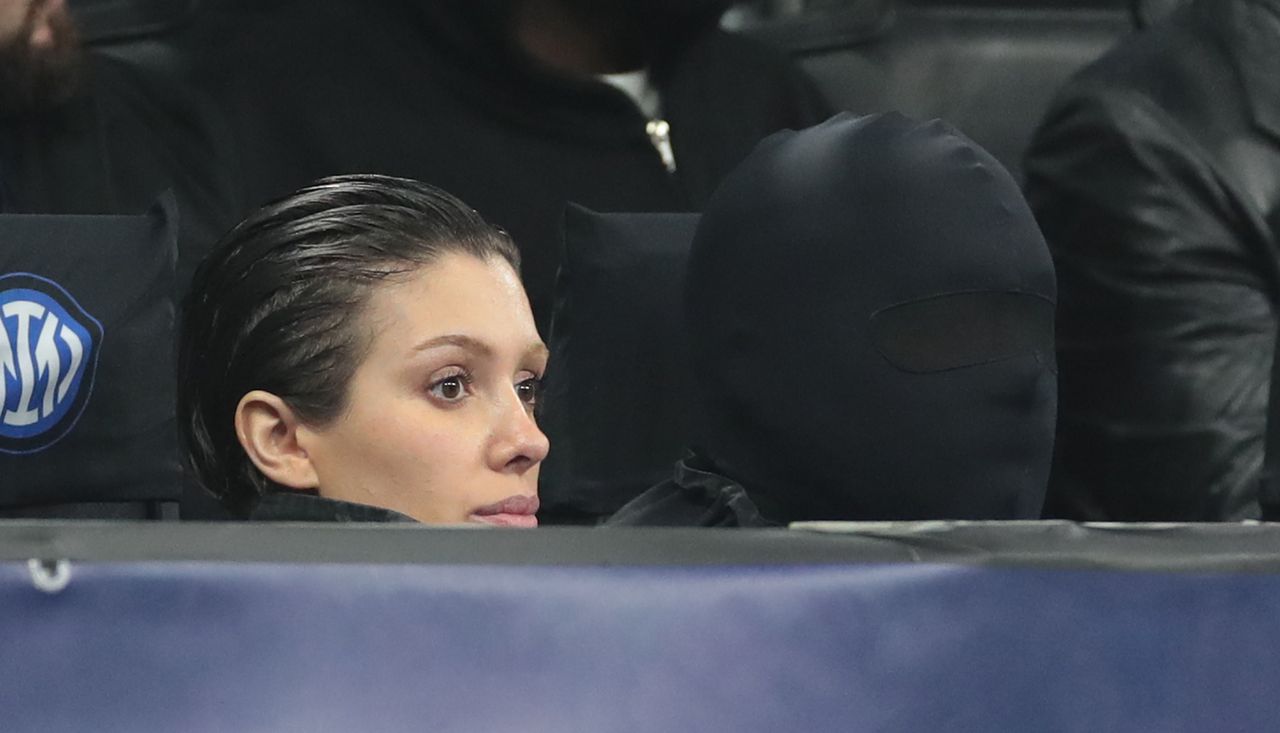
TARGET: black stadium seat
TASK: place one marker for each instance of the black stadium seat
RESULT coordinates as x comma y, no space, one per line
87,426
617,393
990,68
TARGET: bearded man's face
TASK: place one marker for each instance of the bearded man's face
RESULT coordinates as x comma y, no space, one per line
39,56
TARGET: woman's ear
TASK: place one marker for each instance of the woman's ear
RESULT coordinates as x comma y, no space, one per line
268,431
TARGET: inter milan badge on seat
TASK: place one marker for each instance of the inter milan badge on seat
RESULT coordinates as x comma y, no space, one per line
48,354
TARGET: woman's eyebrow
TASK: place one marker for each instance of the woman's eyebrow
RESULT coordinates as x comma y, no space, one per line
536,350
459,340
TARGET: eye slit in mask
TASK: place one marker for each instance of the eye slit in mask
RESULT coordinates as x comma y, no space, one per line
958,330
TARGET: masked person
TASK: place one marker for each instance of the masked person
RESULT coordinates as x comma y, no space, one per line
870,312
516,106
82,133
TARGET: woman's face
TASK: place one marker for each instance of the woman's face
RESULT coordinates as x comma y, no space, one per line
439,423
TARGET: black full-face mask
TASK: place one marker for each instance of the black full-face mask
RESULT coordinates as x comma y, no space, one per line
871,310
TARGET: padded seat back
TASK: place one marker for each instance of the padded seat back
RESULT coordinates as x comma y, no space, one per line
87,426
990,68
618,394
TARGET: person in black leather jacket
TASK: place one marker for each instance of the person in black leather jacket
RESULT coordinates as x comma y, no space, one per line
1156,180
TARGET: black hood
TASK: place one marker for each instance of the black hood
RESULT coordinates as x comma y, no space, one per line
477,30
871,306
474,55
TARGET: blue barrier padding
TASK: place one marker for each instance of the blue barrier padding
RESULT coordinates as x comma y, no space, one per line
934,647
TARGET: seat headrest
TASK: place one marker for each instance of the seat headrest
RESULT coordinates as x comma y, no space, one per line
86,359
617,388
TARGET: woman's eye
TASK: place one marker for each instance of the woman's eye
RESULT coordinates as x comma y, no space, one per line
451,389
529,390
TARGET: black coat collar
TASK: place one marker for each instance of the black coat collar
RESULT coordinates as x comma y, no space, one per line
303,507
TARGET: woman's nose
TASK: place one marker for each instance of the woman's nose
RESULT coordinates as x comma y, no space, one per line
520,444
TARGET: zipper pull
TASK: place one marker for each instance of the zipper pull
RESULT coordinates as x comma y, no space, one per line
660,135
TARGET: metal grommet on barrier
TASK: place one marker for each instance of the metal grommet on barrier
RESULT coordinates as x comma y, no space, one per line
49,576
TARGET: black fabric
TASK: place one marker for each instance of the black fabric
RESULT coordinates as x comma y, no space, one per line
694,496
617,387
963,329
97,511
1156,178
1149,12
814,235
102,21
126,138
1269,480
303,507
87,400
418,89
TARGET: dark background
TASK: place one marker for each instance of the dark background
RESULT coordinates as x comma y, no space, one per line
988,66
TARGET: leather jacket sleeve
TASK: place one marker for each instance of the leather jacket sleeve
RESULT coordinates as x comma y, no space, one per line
1165,327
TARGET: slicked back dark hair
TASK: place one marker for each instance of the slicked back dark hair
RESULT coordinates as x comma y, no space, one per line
277,306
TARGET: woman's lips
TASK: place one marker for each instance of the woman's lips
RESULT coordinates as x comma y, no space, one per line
513,511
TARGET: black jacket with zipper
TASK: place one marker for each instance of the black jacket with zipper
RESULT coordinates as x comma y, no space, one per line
1156,180
422,90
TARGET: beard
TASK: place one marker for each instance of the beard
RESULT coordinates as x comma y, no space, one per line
34,80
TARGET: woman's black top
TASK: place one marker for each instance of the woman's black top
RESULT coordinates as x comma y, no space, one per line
298,506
